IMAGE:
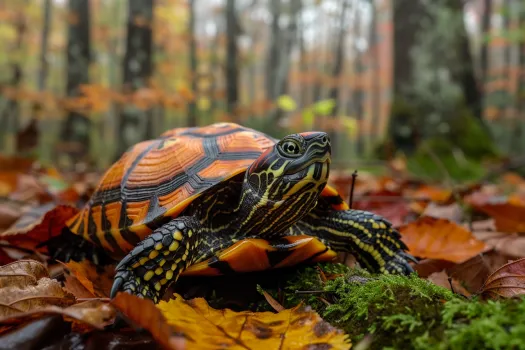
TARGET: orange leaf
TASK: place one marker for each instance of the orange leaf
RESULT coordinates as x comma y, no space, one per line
38,225
508,281
507,216
435,238
143,313
435,194
96,280
296,328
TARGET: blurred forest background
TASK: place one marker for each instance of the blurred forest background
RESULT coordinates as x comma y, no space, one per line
82,80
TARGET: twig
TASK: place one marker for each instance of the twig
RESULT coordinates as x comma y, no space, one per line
326,302
354,176
451,286
310,291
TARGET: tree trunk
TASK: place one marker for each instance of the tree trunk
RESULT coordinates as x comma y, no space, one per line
273,52
75,132
42,74
10,118
467,76
232,82
407,15
192,106
303,66
484,54
518,138
29,137
138,69
358,93
339,55
375,93
282,70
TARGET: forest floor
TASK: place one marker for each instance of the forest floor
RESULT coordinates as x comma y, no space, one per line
468,291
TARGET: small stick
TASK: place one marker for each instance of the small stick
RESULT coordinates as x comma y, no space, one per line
309,292
451,286
326,302
354,176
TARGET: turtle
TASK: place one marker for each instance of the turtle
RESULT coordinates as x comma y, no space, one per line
222,199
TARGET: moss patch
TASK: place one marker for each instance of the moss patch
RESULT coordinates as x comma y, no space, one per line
406,312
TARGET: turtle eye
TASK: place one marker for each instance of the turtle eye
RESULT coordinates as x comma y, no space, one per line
290,148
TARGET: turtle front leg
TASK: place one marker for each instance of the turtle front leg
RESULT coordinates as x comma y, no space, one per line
158,260
376,245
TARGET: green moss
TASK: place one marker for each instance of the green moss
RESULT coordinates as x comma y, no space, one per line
407,312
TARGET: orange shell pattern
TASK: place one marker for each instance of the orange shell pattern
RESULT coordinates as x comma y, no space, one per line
172,170
159,178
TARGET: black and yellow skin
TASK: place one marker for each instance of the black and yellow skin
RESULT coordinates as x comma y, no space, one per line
277,198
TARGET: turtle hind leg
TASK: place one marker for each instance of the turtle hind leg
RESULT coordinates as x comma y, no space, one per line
376,245
157,261
70,247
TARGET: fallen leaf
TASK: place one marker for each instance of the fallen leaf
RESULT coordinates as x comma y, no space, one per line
143,313
73,286
441,279
426,267
295,328
435,238
508,216
96,280
273,303
25,286
432,193
508,281
10,211
511,244
452,212
473,272
38,225
92,313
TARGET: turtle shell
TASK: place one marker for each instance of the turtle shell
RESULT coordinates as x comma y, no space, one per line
159,178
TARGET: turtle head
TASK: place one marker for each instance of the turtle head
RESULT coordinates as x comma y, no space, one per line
288,178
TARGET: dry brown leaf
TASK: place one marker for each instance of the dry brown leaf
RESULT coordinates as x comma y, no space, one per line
96,280
473,272
25,286
273,303
452,212
511,244
441,279
93,313
426,267
442,239
143,313
38,225
295,328
10,211
508,281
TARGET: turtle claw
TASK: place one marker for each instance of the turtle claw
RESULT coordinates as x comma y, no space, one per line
409,257
117,283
